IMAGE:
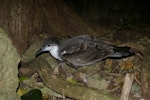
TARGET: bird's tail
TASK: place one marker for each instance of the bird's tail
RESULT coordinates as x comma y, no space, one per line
120,52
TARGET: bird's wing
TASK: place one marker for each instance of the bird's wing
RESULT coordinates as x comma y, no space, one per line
87,57
76,44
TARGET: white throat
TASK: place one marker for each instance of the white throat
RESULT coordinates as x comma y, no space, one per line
55,52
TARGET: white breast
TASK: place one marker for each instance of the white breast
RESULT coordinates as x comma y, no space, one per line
54,52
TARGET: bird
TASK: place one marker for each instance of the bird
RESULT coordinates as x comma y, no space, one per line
83,50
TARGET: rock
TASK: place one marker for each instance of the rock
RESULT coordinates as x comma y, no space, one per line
9,60
30,52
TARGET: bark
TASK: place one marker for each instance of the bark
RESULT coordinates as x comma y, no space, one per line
24,20
21,19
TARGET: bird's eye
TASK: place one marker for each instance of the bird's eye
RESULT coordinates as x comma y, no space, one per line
49,45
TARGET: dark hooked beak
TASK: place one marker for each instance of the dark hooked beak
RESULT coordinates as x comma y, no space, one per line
40,51
136,52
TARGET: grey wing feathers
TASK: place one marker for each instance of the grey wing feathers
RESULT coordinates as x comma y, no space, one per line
84,42
76,44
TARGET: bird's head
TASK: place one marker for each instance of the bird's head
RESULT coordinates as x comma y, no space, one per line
48,45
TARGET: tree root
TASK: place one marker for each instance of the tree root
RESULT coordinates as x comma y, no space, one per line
61,86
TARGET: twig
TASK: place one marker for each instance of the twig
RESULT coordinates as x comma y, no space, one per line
135,76
127,86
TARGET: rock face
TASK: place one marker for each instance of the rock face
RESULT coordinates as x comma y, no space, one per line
9,60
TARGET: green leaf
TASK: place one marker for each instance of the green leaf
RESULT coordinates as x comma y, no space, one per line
22,78
71,80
